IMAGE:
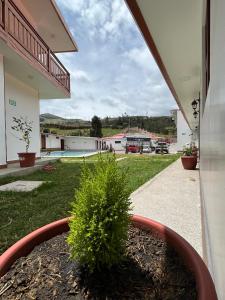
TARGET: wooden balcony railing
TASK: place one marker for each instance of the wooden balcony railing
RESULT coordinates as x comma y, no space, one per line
18,27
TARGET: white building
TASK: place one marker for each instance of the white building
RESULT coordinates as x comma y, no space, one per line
30,33
53,142
82,143
119,141
116,142
184,133
187,40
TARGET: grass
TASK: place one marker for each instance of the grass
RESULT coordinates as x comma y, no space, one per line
85,131
23,212
142,168
111,131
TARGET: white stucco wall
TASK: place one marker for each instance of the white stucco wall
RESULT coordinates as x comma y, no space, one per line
115,145
80,143
212,143
27,105
52,142
2,114
183,131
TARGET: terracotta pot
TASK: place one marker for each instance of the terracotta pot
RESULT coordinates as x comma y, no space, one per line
27,159
189,162
204,283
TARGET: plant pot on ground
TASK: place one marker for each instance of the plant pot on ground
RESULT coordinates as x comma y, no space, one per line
24,128
153,263
190,158
27,159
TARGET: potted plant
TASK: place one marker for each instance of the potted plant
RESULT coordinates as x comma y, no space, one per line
24,128
113,255
190,157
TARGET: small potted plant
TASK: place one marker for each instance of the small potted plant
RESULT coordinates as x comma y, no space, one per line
190,157
24,128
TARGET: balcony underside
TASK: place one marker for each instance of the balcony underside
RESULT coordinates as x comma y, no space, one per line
22,66
173,31
28,57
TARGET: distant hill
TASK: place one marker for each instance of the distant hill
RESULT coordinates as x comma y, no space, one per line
50,116
161,125
50,119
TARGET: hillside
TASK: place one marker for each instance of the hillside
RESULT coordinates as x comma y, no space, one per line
53,119
160,125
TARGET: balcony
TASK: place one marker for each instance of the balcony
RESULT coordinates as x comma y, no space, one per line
16,30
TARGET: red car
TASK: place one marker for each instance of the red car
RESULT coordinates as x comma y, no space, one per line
133,148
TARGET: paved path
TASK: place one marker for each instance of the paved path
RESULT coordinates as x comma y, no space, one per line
173,198
15,169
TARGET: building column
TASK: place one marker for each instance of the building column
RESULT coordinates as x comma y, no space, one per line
2,115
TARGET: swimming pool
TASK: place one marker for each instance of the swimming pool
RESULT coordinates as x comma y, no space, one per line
68,153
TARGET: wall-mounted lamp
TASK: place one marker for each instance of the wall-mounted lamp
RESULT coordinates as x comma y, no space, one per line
195,104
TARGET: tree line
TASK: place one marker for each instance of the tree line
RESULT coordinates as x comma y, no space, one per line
161,125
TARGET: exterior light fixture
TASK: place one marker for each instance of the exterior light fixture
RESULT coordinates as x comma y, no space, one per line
195,113
195,104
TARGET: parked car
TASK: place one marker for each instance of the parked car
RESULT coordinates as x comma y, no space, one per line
162,147
133,148
153,145
146,149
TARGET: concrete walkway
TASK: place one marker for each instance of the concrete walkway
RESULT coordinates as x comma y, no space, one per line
173,198
15,170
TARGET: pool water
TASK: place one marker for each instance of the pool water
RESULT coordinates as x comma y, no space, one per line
68,153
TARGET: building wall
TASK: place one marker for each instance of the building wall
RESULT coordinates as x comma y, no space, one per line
183,131
115,145
2,114
212,141
80,143
26,104
52,142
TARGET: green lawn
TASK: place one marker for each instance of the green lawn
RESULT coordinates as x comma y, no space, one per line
111,131
85,131
20,213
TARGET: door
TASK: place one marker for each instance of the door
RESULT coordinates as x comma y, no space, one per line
43,141
62,144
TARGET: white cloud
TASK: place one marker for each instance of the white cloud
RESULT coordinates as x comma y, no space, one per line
114,71
80,75
72,5
142,57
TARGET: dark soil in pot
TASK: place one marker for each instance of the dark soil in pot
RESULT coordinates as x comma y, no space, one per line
152,270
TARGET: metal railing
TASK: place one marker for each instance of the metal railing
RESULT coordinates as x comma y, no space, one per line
18,27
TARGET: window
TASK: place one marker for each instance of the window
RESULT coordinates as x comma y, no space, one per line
117,142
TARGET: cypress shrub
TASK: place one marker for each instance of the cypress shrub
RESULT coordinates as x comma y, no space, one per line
100,216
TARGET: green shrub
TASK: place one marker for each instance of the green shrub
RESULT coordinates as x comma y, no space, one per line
100,216
54,131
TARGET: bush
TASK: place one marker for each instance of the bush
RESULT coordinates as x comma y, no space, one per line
53,131
46,130
100,216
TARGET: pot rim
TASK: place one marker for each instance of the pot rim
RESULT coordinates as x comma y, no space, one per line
22,153
204,283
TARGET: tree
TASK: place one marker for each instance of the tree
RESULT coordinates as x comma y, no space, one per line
96,127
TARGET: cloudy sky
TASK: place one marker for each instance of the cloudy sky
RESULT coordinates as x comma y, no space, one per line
113,72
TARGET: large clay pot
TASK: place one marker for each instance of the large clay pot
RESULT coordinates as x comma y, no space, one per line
204,283
189,162
27,159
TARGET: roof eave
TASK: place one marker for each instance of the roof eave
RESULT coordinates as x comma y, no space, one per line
140,21
61,18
